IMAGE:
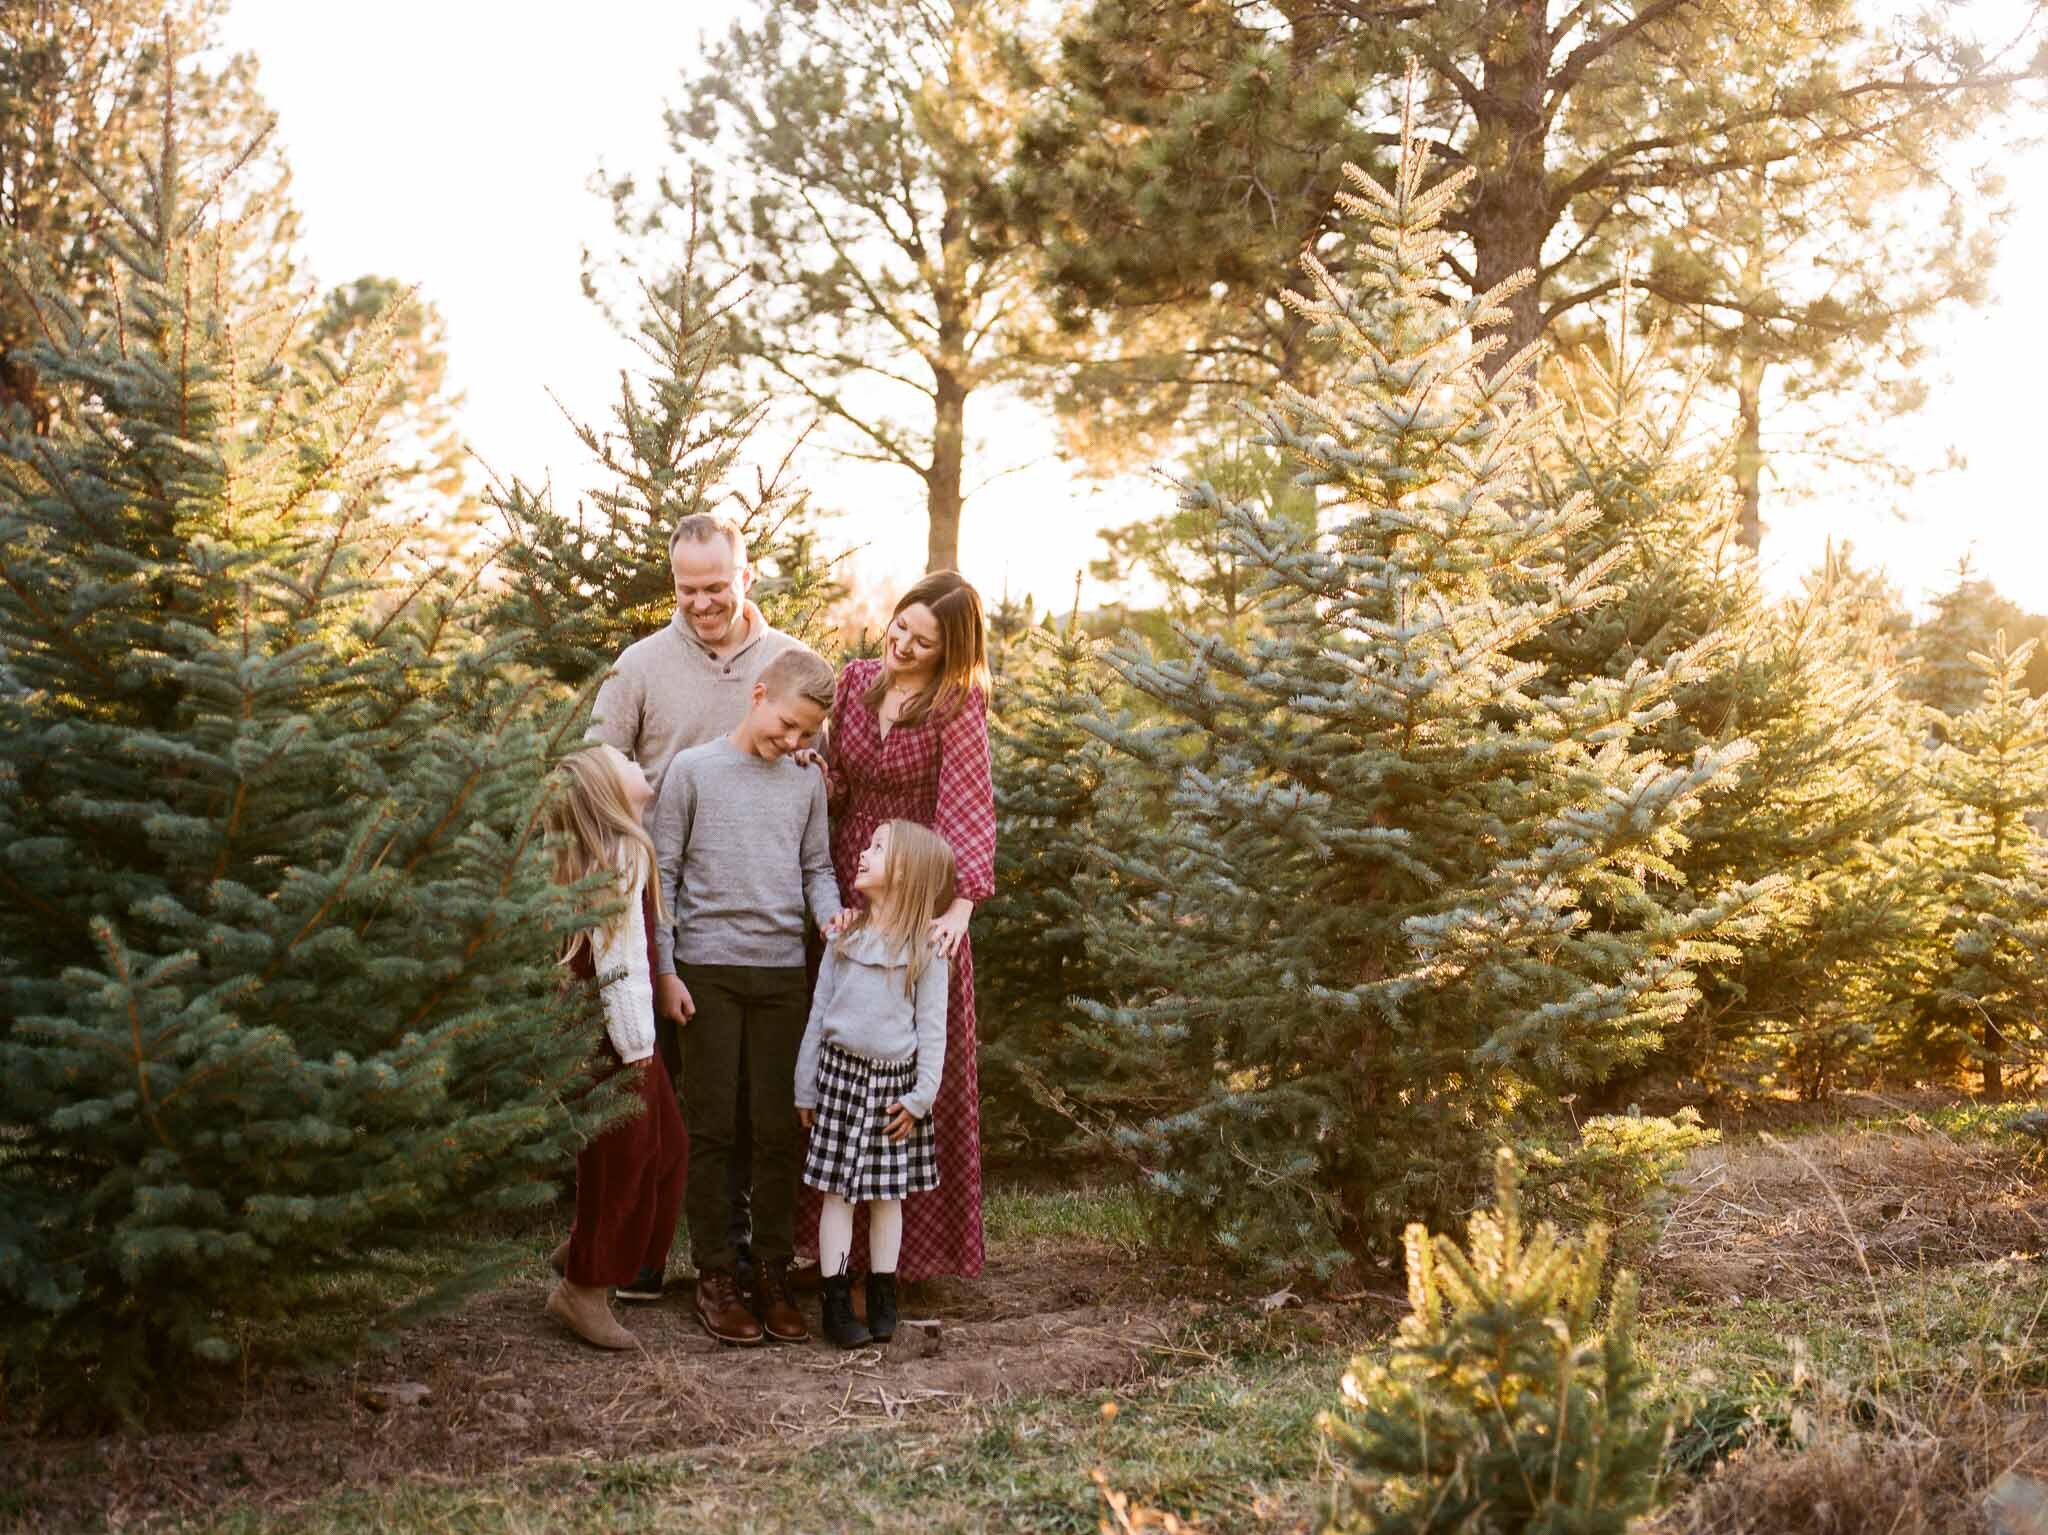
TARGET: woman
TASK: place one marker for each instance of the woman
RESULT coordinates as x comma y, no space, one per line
909,741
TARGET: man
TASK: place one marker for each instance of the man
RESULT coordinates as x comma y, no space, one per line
680,687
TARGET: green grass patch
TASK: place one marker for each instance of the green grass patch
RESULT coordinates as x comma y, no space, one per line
1111,1216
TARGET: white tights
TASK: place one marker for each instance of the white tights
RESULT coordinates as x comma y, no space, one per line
835,1235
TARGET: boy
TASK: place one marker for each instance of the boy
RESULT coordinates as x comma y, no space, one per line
740,833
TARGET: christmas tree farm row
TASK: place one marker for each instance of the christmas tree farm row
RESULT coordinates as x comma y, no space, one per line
1510,795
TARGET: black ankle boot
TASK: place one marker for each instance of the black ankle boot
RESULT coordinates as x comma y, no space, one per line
882,1306
842,1327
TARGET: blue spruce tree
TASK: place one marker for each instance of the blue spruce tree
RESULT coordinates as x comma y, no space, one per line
276,936
1982,856
1831,790
1355,933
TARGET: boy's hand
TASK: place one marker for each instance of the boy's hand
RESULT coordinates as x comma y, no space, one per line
901,1123
672,1000
807,1117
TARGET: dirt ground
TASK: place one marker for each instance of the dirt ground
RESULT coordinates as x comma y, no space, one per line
502,1385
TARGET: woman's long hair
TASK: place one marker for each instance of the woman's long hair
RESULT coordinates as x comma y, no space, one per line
917,884
594,831
963,649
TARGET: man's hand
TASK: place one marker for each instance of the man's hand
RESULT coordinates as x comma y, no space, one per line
901,1123
807,1117
672,1000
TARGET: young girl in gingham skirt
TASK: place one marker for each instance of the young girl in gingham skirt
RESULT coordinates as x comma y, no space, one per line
869,1068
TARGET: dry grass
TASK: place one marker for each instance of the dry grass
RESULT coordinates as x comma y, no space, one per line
1895,1316
1928,1476
1778,1218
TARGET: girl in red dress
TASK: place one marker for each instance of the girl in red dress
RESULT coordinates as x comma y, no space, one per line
909,741
629,1180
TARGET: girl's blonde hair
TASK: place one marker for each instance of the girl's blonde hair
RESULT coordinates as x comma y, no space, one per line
593,831
917,884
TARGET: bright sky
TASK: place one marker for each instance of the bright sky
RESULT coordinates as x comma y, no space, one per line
452,145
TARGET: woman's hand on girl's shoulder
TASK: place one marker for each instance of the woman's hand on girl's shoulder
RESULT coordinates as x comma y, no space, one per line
949,929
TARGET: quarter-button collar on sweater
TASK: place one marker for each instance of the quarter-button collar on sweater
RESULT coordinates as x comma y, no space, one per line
757,629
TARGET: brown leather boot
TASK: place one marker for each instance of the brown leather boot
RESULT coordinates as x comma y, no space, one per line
772,1304
723,1311
585,1311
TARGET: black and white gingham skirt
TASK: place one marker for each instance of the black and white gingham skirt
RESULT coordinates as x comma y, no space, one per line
851,1154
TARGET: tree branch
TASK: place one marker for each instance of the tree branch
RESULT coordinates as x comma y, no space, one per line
830,405
1590,52
1602,173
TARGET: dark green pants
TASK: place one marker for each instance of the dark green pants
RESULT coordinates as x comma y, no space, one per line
763,1009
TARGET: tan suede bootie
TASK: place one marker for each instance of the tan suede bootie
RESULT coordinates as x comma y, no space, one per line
587,1312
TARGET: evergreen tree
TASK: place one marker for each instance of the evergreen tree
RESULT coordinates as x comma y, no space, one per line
1188,553
81,88
1982,866
583,584
1505,1406
426,484
1831,789
1030,949
862,137
1357,943
1186,149
1009,628
276,936
1964,622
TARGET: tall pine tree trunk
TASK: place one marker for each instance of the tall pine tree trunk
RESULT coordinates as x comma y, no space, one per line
942,481
1749,447
1510,216
1749,382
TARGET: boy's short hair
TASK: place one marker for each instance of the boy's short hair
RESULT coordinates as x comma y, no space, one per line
799,673
701,528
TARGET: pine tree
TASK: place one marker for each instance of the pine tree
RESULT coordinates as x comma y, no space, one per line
1963,622
1188,554
1009,629
1030,947
276,936
1982,866
1507,1405
1180,151
1356,939
863,137
583,584
1831,789
79,88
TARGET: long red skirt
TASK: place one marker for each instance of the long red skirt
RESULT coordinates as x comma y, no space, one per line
629,1187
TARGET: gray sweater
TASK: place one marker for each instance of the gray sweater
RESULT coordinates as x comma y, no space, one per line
668,693
860,1007
743,848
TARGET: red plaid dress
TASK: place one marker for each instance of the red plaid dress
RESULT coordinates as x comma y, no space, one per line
937,774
